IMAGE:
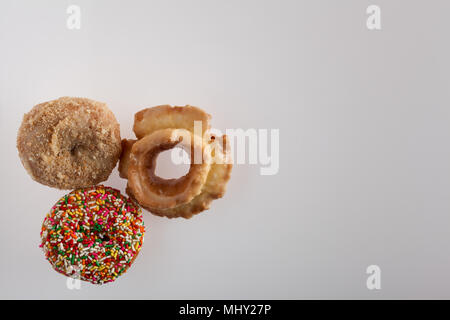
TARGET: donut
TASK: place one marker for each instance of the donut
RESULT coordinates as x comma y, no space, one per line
69,143
162,128
155,192
93,234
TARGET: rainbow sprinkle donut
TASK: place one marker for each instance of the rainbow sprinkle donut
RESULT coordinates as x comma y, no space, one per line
93,234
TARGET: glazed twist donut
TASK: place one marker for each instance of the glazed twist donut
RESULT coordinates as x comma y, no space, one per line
164,127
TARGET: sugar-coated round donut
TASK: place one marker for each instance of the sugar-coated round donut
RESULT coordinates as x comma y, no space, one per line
69,143
93,234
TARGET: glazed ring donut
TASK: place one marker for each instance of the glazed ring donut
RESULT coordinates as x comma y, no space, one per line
154,192
93,234
162,128
69,143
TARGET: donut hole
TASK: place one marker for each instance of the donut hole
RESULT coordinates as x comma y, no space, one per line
74,150
172,164
78,150
105,238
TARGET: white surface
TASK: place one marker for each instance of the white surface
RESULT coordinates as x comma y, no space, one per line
364,126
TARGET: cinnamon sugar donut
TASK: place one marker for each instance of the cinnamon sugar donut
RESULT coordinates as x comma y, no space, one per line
69,143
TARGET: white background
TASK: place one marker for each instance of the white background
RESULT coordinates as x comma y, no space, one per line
364,142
